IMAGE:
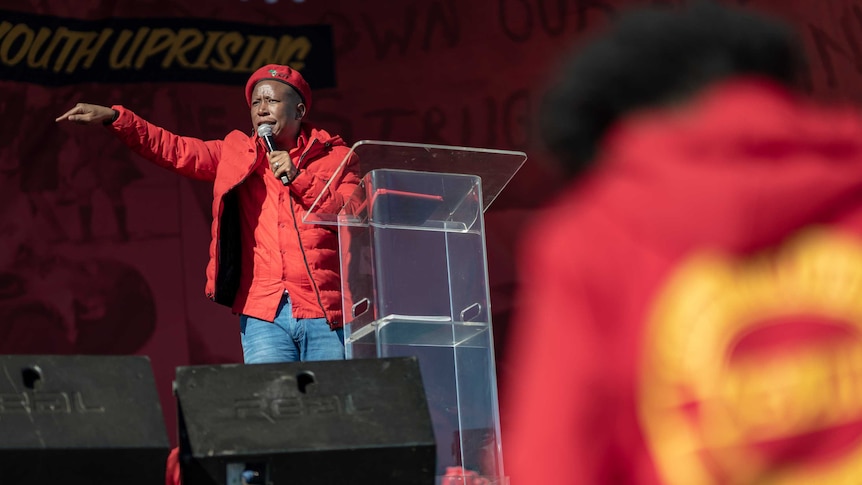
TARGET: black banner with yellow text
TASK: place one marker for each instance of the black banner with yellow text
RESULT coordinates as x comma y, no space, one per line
51,50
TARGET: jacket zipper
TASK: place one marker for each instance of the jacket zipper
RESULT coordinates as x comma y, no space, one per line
299,237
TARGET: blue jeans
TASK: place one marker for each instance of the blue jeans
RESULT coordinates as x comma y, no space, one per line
288,339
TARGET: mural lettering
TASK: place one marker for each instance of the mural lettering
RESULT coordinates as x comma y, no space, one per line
521,19
489,123
437,25
827,47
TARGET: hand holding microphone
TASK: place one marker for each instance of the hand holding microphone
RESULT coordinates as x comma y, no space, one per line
280,161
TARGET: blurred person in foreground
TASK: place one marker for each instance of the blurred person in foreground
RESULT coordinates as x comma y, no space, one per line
690,307
279,274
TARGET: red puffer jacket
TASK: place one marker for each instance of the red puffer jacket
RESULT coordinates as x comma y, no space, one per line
312,280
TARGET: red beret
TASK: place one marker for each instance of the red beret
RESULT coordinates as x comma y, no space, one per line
285,74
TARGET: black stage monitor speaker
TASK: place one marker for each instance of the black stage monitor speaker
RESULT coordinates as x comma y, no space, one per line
305,423
80,420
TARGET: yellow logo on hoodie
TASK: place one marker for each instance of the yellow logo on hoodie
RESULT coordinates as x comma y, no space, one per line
752,367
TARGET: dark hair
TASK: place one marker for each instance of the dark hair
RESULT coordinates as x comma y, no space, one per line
651,56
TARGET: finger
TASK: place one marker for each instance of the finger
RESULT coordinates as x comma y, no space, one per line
275,165
281,159
68,114
285,168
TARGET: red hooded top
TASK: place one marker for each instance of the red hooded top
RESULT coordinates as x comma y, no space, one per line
691,312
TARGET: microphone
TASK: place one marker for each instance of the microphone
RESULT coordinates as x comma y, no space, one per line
264,131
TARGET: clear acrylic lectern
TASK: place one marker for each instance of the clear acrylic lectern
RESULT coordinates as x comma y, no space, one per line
415,283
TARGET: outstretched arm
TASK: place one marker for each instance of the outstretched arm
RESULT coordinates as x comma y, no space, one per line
87,114
187,156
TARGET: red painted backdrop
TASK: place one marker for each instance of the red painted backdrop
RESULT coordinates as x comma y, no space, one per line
430,71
